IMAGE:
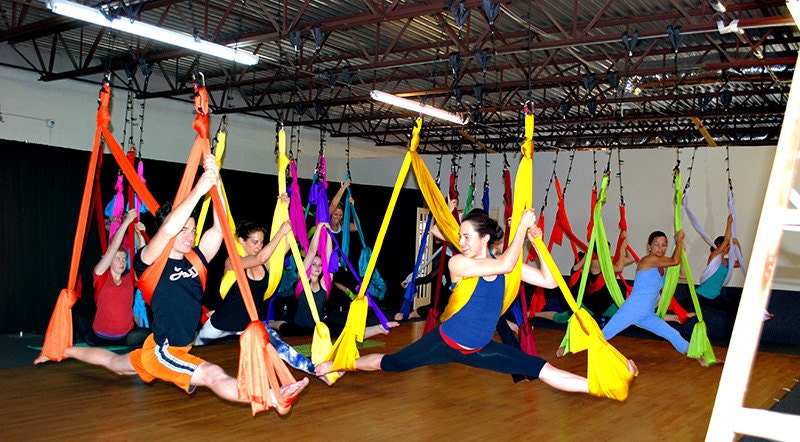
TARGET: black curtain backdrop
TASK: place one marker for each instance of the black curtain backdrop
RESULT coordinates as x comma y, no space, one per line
42,188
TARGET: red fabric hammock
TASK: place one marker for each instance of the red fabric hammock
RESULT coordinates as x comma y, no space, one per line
433,312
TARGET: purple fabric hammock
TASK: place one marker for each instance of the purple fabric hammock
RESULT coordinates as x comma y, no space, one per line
318,196
296,215
378,312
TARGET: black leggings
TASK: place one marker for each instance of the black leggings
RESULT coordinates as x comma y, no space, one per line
134,338
431,350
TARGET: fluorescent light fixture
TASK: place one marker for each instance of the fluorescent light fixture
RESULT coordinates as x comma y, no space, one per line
415,106
94,16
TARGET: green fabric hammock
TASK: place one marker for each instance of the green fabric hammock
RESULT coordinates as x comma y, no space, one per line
599,242
699,345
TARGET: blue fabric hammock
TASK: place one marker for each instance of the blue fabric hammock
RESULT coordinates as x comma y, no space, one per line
411,287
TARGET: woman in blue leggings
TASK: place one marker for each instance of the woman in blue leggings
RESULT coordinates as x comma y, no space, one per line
639,308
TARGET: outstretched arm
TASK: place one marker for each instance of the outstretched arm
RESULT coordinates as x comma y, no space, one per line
116,242
726,240
452,204
579,265
176,220
212,238
276,245
262,257
625,257
338,197
313,245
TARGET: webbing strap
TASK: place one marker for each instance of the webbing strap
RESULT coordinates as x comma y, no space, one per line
433,312
411,284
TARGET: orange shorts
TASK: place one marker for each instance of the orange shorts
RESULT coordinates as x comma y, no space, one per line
165,362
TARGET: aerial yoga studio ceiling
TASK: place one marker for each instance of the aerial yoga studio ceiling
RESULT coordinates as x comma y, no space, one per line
612,73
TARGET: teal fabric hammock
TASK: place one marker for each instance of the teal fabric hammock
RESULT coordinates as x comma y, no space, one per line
377,286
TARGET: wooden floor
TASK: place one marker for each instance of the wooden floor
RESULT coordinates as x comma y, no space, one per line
670,401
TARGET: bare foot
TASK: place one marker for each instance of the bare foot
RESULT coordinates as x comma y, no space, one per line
412,315
379,330
702,361
546,315
671,318
330,378
290,392
276,325
323,368
513,326
41,359
632,368
560,352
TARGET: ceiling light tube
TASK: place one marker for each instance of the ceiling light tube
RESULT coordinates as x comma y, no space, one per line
94,16
415,106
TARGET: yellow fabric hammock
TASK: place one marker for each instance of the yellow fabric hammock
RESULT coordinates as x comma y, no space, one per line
607,368
321,342
344,351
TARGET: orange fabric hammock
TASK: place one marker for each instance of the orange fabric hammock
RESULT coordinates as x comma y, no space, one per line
59,331
260,367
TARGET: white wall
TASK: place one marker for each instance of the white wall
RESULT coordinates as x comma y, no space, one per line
26,104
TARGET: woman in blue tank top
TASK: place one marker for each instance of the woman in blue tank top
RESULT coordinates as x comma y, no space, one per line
466,337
